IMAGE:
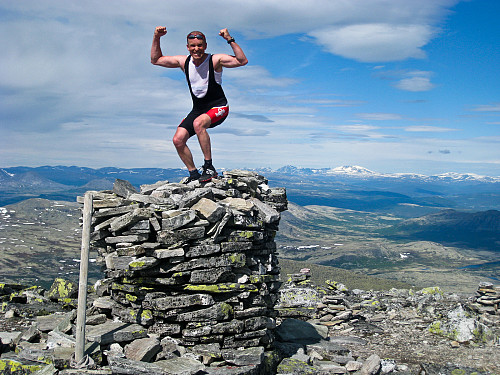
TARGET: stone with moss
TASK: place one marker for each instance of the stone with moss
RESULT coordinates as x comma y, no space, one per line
62,289
295,366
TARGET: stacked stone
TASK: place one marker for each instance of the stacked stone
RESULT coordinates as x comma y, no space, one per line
297,298
195,263
327,306
487,298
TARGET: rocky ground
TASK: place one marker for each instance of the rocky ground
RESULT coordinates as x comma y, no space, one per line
403,334
321,330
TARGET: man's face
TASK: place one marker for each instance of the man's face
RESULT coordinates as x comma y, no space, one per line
196,48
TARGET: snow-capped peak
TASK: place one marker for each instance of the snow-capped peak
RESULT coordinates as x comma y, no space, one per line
3,171
453,176
353,170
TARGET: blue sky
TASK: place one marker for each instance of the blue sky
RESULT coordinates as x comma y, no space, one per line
390,85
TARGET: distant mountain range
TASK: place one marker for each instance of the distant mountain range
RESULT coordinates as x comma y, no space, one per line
351,187
355,171
372,215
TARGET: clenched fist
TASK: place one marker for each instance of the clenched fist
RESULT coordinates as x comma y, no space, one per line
225,34
160,30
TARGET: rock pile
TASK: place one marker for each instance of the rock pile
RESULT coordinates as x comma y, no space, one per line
196,264
487,299
413,328
388,332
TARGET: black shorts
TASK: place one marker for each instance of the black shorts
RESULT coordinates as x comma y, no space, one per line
217,114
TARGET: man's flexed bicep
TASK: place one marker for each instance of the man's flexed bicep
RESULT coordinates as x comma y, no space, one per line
230,61
157,57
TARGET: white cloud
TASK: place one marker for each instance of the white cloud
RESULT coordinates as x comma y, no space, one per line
415,84
356,128
428,129
487,108
375,42
379,116
77,75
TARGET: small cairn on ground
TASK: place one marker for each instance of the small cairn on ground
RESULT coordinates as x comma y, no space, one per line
487,299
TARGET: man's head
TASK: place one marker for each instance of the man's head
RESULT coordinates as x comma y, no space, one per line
196,44
196,35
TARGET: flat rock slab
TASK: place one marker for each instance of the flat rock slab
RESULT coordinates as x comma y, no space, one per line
233,370
180,366
8,338
15,366
329,350
46,323
143,349
110,332
294,330
243,357
127,366
348,340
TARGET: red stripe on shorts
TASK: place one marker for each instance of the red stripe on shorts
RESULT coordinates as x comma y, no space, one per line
218,113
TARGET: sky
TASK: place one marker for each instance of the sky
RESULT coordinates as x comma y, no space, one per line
391,85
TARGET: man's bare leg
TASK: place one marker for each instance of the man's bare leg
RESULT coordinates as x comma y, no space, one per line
180,139
201,124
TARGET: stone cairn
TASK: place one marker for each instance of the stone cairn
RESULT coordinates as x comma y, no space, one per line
190,263
487,298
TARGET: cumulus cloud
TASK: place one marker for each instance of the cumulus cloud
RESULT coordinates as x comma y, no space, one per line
375,42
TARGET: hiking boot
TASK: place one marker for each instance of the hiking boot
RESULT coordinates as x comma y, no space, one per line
192,177
208,174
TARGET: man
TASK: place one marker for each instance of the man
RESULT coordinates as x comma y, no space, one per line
204,77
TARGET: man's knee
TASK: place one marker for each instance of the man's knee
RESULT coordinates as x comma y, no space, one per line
178,141
201,123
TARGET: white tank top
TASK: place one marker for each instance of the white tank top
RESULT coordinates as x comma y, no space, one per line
198,76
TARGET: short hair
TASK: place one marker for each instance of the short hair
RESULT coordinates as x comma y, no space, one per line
196,35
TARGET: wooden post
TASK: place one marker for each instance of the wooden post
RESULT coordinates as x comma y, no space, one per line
82,287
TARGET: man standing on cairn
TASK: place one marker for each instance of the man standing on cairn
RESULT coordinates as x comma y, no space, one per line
204,77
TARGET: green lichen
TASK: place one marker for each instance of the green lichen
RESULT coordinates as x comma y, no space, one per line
146,315
63,289
432,290
246,234
480,335
436,328
137,264
131,297
8,366
222,288
227,309
294,366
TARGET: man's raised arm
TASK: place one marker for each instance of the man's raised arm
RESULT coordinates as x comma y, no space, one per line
157,57
228,61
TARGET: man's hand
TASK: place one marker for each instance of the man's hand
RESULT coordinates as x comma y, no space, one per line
160,31
225,34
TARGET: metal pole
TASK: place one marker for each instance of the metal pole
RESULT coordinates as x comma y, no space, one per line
82,287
